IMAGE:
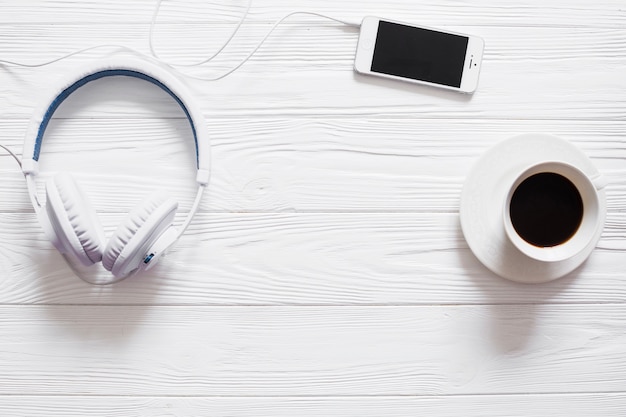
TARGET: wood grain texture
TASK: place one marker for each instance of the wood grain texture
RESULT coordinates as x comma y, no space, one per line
508,90
528,405
293,164
306,259
522,13
326,273
291,75
330,351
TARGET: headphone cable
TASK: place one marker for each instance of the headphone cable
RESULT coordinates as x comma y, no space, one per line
12,154
153,22
174,66
267,35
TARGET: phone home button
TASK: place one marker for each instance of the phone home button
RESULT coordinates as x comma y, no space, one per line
368,43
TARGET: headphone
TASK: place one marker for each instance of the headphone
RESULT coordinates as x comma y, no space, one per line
68,219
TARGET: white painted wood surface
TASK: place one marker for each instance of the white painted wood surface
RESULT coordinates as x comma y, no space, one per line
326,273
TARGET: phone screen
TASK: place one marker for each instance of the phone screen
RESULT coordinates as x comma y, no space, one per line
419,54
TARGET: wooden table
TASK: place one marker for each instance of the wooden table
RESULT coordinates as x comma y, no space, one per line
326,273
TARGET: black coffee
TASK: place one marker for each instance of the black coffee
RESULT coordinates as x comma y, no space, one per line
546,209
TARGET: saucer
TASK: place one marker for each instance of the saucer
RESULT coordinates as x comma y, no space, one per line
482,202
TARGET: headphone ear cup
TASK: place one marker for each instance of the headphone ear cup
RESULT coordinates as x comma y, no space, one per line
73,220
127,247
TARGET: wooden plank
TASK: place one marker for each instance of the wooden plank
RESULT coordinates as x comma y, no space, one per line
300,72
543,94
329,351
327,273
555,405
299,43
305,259
292,164
522,13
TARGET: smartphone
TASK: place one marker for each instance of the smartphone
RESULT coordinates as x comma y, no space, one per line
420,55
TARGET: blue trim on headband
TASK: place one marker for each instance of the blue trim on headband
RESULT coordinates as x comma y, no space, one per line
100,74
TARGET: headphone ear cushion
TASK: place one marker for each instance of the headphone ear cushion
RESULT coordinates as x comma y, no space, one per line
73,219
127,247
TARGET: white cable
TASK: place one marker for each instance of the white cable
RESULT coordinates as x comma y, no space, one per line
192,212
150,44
80,51
247,58
12,154
204,61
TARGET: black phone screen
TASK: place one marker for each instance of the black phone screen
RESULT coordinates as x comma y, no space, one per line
419,54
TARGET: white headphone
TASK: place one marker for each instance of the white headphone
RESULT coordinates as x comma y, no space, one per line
67,218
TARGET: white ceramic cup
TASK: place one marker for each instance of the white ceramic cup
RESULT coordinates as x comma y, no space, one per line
591,220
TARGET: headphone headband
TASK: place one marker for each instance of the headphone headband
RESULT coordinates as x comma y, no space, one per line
149,233
115,66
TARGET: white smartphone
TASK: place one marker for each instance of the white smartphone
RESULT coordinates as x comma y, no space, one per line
419,54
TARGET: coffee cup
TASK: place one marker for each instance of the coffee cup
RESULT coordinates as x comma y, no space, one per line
552,211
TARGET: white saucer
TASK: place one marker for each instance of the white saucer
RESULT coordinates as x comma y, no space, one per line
482,202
